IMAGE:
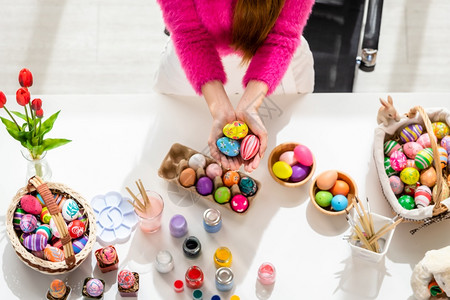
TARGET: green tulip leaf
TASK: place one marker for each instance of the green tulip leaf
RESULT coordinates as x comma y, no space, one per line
20,115
49,144
47,125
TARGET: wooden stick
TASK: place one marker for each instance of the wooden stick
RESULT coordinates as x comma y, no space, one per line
144,195
139,205
360,215
360,235
366,218
380,232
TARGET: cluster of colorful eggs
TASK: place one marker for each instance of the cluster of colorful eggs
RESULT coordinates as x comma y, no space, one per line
294,166
409,163
237,141
37,230
225,187
332,192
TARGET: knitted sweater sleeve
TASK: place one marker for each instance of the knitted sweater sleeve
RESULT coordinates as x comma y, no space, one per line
272,59
193,44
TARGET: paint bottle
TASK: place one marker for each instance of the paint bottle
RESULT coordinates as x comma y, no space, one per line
197,295
266,273
192,247
178,226
194,277
164,262
224,279
212,220
223,257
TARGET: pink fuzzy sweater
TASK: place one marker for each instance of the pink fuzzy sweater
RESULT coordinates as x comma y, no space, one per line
201,33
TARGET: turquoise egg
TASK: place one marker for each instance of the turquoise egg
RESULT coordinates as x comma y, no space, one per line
228,146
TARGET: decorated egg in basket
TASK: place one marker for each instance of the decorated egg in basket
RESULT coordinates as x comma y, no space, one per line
424,158
411,133
422,196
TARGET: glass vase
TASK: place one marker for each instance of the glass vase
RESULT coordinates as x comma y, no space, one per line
37,166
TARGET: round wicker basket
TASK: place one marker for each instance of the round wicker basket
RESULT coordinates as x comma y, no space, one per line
72,260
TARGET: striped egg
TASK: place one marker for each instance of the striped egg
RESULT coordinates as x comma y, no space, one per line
57,289
411,133
59,199
411,149
54,229
23,236
398,160
410,163
45,231
424,158
388,168
422,196
18,214
249,147
409,176
45,215
443,157
39,197
424,140
53,254
79,243
440,129
445,143
391,146
35,242
407,202
83,218
396,184
70,210
28,223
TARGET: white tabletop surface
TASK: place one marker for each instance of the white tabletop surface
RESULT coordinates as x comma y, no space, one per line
120,138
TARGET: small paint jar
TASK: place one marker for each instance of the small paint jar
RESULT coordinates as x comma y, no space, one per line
178,226
194,277
235,297
192,247
178,286
266,273
164,262
197,295
223,257
224,279
212,220
215,297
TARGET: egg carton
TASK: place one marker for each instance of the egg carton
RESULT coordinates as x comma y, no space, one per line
176,161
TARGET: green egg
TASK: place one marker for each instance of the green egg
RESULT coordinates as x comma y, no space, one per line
323,198
222,195
407,202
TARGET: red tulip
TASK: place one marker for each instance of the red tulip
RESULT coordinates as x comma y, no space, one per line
25,78
36,104
39,113
2,99
23,96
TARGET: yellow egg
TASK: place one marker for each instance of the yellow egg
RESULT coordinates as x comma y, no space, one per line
326,180
428,177
282,170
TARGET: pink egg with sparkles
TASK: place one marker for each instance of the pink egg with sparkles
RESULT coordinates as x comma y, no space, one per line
396,184
288,157
126,279
249,146
213,170
31,204
424,140
398,160
303,155
239,203
411,149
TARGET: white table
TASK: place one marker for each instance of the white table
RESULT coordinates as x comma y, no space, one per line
118,139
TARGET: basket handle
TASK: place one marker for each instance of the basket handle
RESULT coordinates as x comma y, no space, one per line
49,200
438,189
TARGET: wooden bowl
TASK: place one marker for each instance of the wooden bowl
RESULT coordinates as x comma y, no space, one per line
328,210
275,156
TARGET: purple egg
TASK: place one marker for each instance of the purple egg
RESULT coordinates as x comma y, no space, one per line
299,172
205,186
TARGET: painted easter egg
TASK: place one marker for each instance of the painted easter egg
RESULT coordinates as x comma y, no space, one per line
60,200
411,133
54,229
45,231
445,143
28,223
396,184
239,203
410,163
79,243
45,215
440,129
108,255
235,130
125,279
76,229
443,156
248,186
409,175
30,204
339,202
213,170
407,202
204,186
411,149
94,287
323,198
83,218
428,177
187,177
340,188
249,146
231,178
70,210
422,196
39,197
398,160
18,214
53,254
424,140
228,146
23,236
197,161
282,170
288,157
35,242
299,172
424,158
391,146
388,168
222,195
410,189
39,254
326,180
57,289
303,155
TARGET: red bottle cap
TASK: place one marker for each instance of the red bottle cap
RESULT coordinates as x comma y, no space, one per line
178,286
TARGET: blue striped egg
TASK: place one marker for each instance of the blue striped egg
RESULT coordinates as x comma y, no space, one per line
443,157
45,231
411,133
79,243
424,158
35,242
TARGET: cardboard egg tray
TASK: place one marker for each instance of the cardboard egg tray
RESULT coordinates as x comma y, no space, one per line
176,161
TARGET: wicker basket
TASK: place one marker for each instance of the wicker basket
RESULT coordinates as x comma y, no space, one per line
438,209
72,261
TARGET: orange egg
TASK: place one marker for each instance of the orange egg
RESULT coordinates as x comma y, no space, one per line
230,178
340,188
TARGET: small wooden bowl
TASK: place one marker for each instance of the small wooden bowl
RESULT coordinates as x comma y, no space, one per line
275,156
327,210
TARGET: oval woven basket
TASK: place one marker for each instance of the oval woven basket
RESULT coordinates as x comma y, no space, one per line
437,210
72,260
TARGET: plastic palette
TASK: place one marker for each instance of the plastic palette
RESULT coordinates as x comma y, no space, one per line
116,218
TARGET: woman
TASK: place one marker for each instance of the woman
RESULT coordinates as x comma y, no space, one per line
265,34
